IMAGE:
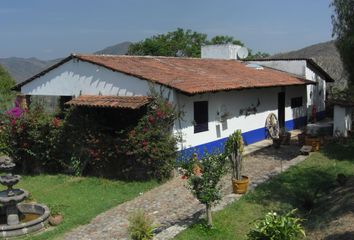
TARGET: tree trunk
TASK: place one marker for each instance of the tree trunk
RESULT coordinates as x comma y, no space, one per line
209,218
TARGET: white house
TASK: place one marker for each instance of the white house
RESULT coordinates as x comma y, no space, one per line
307,68
217,96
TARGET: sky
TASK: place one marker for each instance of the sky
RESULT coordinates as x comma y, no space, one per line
48,29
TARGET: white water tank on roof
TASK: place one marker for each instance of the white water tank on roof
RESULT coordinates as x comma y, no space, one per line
222,51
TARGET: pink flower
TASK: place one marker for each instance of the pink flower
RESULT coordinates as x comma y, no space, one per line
151,119
56,122
15,112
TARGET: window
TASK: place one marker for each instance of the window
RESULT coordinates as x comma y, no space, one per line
296,102
200,116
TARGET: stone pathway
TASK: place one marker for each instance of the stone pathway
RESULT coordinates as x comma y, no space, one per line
174,208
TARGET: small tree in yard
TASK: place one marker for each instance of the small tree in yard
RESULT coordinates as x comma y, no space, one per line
205,187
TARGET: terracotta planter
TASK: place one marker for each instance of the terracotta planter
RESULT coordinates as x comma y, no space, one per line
197,170
55,220
240,186
314,142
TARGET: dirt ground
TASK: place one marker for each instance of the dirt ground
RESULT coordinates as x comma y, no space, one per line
338,215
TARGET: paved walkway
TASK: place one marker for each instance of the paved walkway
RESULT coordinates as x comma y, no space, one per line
174,208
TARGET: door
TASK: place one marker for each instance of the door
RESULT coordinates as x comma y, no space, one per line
281,109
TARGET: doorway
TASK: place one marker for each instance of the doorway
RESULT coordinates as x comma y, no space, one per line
281,109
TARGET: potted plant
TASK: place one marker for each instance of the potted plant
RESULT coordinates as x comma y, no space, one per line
234,149
55,217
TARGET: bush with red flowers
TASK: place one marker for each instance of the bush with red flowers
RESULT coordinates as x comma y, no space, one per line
151,143
28,137
141,145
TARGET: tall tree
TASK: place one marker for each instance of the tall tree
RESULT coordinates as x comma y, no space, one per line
180,43
6,83
224,40
343,29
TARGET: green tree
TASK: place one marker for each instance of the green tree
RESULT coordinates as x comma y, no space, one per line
343,29
181,43
6,83
257,55
224,40
204,184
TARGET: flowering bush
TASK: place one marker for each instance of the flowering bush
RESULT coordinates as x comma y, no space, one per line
277,227
28,137
151,143
141,146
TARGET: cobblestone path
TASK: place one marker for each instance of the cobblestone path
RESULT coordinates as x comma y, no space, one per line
173,207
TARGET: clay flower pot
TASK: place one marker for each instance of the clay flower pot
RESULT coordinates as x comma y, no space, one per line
197,170
240,186
55,220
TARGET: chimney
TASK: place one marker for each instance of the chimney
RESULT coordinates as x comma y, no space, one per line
224,51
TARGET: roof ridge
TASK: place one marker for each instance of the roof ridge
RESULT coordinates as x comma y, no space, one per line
151,57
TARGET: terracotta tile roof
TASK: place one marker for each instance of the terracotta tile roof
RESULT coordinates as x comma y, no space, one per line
189,75
195,75
134,102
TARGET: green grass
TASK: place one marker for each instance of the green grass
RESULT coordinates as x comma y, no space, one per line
312,179
79,198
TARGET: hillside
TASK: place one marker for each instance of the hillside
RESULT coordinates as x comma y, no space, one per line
23,68
6,83
324,54
118,49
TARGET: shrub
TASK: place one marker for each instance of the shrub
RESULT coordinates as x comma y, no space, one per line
28,137
277,227
151,143
140,226
141,146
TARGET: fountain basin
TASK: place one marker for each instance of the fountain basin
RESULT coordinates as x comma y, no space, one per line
9,180
35,218
12,195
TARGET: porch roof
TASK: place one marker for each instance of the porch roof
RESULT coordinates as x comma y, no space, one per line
126,102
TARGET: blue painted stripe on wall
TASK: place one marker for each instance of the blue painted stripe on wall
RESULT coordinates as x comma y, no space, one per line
296,123
321,115
248,137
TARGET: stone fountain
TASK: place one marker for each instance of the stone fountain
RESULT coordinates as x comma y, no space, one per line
18,218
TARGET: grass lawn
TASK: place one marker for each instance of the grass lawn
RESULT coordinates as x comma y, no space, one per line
311,182
79,198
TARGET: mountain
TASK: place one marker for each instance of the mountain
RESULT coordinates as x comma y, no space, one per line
325,55
118,49
23,68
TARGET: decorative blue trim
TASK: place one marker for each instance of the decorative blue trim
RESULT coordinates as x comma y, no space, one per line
320,115
296,123
248,137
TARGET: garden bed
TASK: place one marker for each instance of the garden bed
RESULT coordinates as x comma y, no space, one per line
79,199
310,186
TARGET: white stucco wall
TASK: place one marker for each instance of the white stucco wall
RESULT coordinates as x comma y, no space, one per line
223,51
75,78
234,101
342,121
297,67
316,94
